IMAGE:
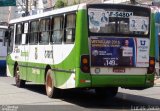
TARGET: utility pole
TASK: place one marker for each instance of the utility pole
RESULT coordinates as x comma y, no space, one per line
9,14
26,11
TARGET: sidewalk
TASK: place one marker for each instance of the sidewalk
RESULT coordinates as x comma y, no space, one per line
157,81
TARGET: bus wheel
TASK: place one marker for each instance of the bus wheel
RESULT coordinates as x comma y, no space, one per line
19,82
51,91
108,92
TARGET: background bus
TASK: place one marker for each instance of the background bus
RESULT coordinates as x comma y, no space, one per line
97,46
3,48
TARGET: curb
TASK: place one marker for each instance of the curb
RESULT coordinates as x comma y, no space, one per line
157,82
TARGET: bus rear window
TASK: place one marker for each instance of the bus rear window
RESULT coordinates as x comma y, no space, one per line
118,21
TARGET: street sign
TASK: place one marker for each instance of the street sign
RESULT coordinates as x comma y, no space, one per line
7,3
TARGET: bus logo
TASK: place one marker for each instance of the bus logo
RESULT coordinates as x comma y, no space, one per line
143,42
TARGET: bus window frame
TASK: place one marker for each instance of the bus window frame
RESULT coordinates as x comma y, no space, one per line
26,34
52,28
19,38
72,28
30,32
44,31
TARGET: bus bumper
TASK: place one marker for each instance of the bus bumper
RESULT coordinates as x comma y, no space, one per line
126,81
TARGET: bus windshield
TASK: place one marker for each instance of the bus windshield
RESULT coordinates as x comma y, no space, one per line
118,20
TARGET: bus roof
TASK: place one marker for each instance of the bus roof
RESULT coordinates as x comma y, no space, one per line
49,13
62,10
3,27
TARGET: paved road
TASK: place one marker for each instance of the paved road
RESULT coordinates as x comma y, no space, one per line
33,98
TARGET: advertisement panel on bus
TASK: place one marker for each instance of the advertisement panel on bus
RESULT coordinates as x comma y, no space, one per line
127,52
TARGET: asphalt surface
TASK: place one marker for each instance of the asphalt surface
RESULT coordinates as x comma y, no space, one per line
33,98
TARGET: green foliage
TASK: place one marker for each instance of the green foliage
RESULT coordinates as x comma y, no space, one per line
74,2
60,4
133,1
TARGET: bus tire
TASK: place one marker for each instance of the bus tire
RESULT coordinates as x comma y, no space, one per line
108,92
19,82
51,90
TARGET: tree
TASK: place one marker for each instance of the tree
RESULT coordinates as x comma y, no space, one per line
74,2
133,1
60,4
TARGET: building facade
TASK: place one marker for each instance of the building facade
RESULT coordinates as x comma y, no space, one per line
6,13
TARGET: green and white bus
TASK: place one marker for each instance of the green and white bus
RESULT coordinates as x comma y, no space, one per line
90,46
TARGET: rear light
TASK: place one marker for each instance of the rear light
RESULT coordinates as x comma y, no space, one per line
85,63
151,67
151,62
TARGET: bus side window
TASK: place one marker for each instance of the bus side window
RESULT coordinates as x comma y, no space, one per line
25,33
33,36
57,31
44,31
10,39
70,28
18,37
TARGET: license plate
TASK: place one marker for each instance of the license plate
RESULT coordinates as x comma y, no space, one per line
119,70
